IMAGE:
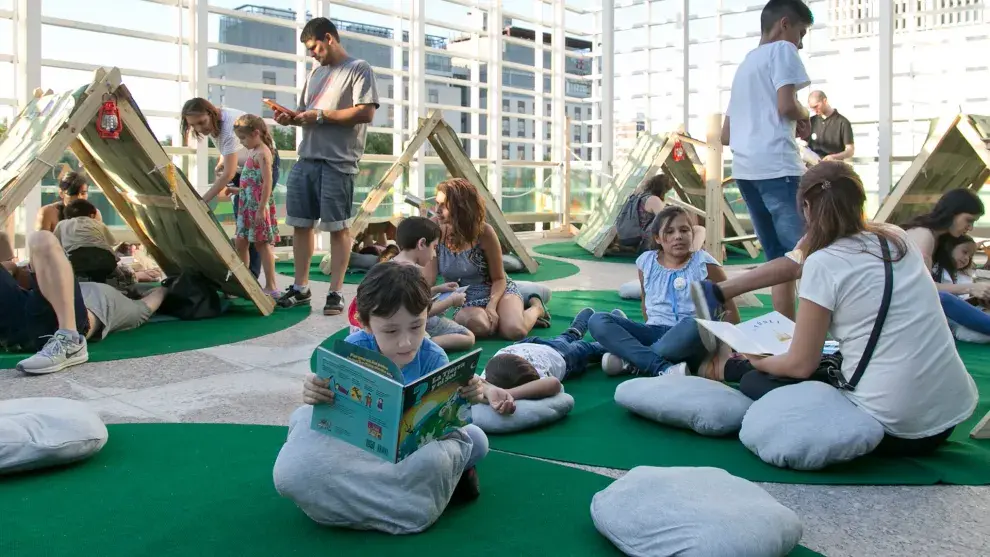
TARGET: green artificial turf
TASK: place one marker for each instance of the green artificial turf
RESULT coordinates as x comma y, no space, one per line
570,250
550,269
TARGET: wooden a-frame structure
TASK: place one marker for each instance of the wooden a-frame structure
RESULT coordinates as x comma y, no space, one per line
955,155
134,173
650,155
449,149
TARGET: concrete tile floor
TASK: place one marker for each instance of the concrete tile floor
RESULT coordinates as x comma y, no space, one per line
259,382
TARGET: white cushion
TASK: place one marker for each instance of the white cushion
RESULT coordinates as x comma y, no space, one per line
705,406
338,484
42,432
631,290
512,264
528,414
808,426
693,512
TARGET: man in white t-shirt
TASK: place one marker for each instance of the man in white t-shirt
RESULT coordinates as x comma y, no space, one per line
760,127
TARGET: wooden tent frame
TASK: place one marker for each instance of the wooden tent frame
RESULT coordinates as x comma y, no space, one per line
688,186
448,147
955,155
76,134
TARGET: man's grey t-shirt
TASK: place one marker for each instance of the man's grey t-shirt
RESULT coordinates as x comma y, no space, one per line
346,85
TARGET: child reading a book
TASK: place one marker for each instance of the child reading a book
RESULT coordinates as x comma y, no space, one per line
669,341
954,265
392,304
913,382
417,239
534,367
256,220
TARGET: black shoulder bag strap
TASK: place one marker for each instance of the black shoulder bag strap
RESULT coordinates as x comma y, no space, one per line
888,288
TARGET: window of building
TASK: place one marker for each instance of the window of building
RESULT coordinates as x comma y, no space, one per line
521,130
505,151
549,110
505,126
391,91
577,133
521,152
589,134
434,96
266,112
268,78
505,105
521,106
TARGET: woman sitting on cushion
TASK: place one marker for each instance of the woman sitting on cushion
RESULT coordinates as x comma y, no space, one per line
953,216
669,341
915,384
470,254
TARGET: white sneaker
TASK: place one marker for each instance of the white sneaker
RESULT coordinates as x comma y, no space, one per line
677,369
613,365
58,353
619,313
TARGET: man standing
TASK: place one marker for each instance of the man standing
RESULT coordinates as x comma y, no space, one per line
831,133
336,105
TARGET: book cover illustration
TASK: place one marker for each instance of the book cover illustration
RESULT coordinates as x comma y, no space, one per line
432,406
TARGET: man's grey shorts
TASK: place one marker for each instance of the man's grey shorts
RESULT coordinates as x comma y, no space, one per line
115,311
439,325
317,192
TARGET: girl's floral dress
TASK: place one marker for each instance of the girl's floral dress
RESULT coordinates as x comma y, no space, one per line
250,200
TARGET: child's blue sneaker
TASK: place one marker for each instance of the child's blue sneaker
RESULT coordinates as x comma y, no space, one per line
580,324
707,307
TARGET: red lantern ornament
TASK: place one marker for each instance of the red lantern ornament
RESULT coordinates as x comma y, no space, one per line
108,124
678,151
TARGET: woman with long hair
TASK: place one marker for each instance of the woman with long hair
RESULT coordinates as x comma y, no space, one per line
72,185
470,254
200,118
934,232
914,383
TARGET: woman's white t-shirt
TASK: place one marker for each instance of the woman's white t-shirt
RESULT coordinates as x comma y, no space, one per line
915,384
227,142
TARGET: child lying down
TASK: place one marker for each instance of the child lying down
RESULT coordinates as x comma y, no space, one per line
534,367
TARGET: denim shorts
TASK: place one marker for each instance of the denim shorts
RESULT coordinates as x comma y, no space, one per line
772,205
317,192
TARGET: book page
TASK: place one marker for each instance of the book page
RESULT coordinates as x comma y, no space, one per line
772,331
737,339
432,406
366,407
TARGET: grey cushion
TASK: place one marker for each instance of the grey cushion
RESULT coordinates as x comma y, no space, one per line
693,512
528,414
808,426
338,484
41,432
631,290
512,264
707,407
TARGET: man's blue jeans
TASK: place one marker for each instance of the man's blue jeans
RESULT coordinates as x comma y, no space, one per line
774,212
651,349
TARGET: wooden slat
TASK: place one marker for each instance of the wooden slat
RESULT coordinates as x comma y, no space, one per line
982,429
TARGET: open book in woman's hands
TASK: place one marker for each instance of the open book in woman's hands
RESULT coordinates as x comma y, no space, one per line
767,335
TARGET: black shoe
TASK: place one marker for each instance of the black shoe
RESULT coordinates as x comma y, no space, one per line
334,305
467,489
292,298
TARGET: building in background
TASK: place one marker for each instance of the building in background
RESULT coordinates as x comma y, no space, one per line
626,133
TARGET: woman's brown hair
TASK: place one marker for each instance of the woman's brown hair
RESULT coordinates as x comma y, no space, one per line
467,212
834,196
196,106
247,123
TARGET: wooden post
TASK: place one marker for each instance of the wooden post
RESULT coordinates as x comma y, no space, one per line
713,187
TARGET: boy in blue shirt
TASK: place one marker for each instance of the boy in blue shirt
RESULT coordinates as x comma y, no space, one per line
760,125
393,304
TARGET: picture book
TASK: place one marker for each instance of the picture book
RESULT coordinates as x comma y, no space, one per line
374,410
767,335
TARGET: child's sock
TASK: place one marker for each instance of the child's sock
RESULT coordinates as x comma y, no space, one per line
301,289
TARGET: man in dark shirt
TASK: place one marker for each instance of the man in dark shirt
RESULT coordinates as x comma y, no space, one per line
831,133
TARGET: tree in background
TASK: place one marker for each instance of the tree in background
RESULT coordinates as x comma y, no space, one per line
3,127
377,143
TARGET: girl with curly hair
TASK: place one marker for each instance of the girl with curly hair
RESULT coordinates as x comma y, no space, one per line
470,254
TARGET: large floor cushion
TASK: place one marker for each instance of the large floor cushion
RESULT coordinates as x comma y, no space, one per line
631,290
702,405
338,484
808,426
693,512
529,414
41,432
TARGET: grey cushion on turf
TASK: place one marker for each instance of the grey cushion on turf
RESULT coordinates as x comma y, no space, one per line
693,512
338,484
41,432
808,426
512,264
707,407
529,414
631,290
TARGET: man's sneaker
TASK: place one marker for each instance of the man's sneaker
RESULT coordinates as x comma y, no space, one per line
619,313
334,305
680,369
60,352
707,307
292,298
468,488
